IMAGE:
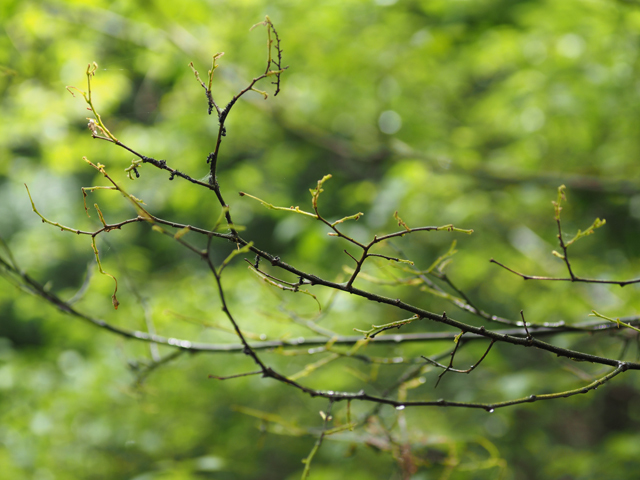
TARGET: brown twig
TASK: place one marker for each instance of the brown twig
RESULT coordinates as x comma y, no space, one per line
229,377
449,369
573,278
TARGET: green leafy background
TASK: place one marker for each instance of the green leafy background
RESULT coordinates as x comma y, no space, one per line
470,113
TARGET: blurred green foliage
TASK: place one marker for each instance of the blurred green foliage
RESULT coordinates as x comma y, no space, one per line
470,113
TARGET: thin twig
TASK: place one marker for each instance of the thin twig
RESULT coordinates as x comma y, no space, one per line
215,377
449,369
326,418
458,341
622,283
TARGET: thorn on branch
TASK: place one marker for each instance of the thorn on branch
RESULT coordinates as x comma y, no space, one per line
352,257
524,322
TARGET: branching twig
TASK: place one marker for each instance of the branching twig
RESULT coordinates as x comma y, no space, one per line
449,369
523,337
575,278
564,255
451,358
